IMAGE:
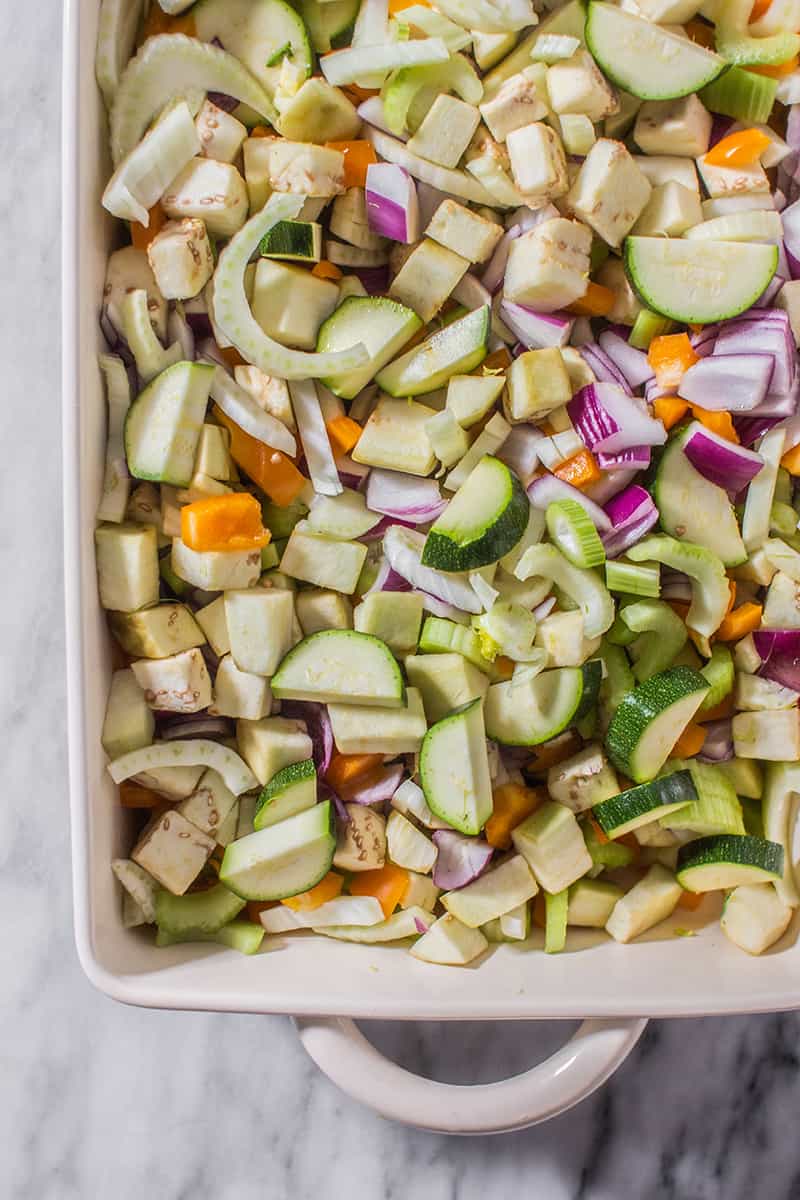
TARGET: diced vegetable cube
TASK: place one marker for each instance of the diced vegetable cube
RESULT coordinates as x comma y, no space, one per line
221,135
173,851
537,383
181,258
548,268
427,277
610,191
212,191
463,231
446,131
578,86
680,127
538,163
290,304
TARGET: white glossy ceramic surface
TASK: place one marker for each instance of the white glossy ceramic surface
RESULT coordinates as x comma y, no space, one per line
661,975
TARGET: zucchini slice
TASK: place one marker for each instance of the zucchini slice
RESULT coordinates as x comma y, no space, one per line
382,325
340,665
485,519
291,791
454,769
282,860
254,31
694,509
698,282
647,802
294,241
650,719
726,860
162,426
710,590
585,588
534,711
455,350
646,59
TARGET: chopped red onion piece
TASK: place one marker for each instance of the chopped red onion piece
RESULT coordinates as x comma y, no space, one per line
604,370
631,362
607,419
405,497
420,926
718,746
440,608
318,727
536,331
750,429
547,488
228,104
779,650
767,332
374,279
632,514
496,267
199,725
460,860
388,580
722,462
380,786
735,382
392,206
636,457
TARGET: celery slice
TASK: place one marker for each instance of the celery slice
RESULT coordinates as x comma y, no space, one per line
710,593
742,95
555,929
663,636
633,579
572,531
584,587
718,673
648,325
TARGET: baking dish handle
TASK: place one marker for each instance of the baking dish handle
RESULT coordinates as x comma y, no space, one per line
586,1061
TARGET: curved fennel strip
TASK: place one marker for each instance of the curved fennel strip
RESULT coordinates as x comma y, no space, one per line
116,479
116,37
197,752
483,16
242,408
168,66
233,314
582,586
144,175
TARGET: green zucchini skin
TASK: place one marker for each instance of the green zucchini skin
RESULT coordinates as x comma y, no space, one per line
646,710
644,803
727,859
494,534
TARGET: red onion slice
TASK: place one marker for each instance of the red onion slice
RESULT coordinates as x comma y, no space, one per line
461,859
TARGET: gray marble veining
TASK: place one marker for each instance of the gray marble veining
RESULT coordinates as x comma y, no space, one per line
99,1101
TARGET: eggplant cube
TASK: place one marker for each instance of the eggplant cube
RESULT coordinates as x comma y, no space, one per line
213,191
670,211
179,683
538,383
610,191
181,258
732,181
464,232
221,135
548,268
290,304
517,103
681,127
427,277
173,850
446,131
305,169
578,86
538,163
240,693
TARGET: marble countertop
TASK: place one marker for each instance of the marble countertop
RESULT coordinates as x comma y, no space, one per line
99,1100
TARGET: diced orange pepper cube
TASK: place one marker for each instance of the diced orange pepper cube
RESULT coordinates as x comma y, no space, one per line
512,803
357,157
232,356
271,469
504,666
597,301
326,270
133,795
720,423
670,410
581,470
725,708
791,460
670,356
740,621
741,149
760,7
328,888
549,754
262,131
690,900
347,771
396,6
142,235
387,884
224,523
779,70
343,432
357,95
691,741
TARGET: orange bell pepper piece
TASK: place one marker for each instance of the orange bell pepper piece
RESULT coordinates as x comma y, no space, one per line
598,830
555,751
597,301
690,900
512,804
328,888
262,131
158,21
133,795
356,95
347,771
504,666
670,356
343,432
691,741
271,469
224,523
760,7
741,149
142,235
498,360
670,410
396,6
387,884
232,356
357,157
720,423
779,70
581,470
725,708
740,621
326,270
791,460
700,33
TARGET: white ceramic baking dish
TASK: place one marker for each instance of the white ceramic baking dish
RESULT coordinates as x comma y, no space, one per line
322,982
